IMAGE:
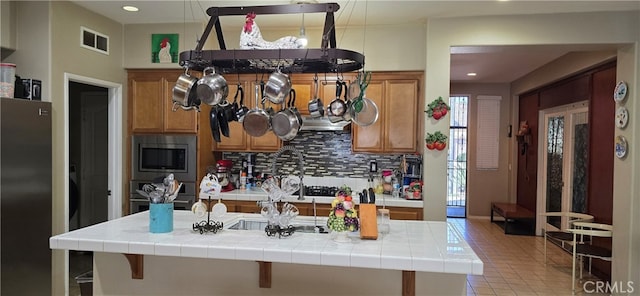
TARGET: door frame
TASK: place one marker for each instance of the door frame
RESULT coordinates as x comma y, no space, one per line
115,184
541,201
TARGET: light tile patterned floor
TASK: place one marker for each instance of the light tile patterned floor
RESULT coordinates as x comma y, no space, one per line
514,264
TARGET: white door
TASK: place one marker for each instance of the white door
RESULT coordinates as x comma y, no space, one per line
94,203
563,168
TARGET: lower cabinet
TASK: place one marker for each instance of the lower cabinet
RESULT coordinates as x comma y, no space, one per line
322,210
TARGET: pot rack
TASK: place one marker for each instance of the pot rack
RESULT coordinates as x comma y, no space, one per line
325,59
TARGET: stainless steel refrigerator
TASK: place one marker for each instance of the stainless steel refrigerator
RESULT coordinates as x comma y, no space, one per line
25,197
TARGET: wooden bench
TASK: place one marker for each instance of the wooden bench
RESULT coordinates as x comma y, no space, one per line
517,219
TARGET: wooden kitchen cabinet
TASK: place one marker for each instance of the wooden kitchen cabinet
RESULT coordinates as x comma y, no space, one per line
150,96
239,140
397,130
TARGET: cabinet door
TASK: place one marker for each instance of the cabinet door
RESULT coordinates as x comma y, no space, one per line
370,138
397,213
247,207
179,121
146,108
303,84
401,116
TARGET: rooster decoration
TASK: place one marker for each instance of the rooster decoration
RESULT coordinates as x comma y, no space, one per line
251,38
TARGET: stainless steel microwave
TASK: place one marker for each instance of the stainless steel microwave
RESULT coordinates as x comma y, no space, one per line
155,156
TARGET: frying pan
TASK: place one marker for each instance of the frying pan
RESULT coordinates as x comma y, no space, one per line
213,122
368,115
257,121
222,121
285,123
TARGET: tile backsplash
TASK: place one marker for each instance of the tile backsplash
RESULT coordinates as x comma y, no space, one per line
326,154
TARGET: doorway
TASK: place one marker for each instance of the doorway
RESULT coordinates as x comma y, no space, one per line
563,158
457,157
93,160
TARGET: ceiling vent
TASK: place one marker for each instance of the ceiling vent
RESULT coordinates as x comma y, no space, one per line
93,40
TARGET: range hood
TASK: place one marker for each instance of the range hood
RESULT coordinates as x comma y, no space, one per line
322,124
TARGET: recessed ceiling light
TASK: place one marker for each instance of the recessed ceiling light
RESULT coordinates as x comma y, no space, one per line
129,8
471,74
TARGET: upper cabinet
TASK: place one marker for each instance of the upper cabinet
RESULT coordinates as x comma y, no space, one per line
151,102
239,140
399,124
7,26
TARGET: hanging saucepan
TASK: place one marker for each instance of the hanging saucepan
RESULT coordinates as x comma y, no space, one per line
286,123
212,87
277,87
214,124
184,92
337,106
315,104
257,121
242,109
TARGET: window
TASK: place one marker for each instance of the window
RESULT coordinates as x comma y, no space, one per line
93,40
488,131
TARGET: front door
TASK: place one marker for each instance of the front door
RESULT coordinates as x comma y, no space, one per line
564,161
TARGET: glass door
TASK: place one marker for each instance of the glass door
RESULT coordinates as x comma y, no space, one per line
565,153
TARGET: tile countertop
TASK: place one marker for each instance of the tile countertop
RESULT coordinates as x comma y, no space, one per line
256,194
429,246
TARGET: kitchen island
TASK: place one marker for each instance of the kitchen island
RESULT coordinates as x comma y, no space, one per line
414,258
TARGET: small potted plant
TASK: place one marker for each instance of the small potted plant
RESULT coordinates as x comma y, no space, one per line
437,141
437,109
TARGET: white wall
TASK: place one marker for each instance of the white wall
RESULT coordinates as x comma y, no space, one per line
386,48
580,28
67,56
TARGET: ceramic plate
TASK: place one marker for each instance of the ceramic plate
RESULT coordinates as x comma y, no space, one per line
620,91
219,210
621,146
622,117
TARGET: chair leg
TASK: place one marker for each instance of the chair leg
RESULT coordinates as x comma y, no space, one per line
573,270
545,247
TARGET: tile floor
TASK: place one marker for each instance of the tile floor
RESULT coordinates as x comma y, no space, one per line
514,264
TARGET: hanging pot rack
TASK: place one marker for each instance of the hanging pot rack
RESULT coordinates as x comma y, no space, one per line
326,59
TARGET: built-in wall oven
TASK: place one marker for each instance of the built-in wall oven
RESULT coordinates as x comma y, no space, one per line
156,156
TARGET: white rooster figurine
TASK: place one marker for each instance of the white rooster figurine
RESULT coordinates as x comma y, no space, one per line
251,38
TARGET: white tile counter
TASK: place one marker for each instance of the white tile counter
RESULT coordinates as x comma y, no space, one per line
420,246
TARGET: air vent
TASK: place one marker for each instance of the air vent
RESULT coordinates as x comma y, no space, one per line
93,40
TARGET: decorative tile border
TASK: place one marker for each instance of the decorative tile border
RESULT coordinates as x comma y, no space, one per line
326,154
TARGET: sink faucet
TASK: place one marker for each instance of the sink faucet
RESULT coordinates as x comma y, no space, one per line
300,165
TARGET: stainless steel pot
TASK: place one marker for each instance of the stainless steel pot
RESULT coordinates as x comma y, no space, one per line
212,87
277,87
184,92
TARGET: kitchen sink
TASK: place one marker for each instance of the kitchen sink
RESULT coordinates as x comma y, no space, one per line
246,224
